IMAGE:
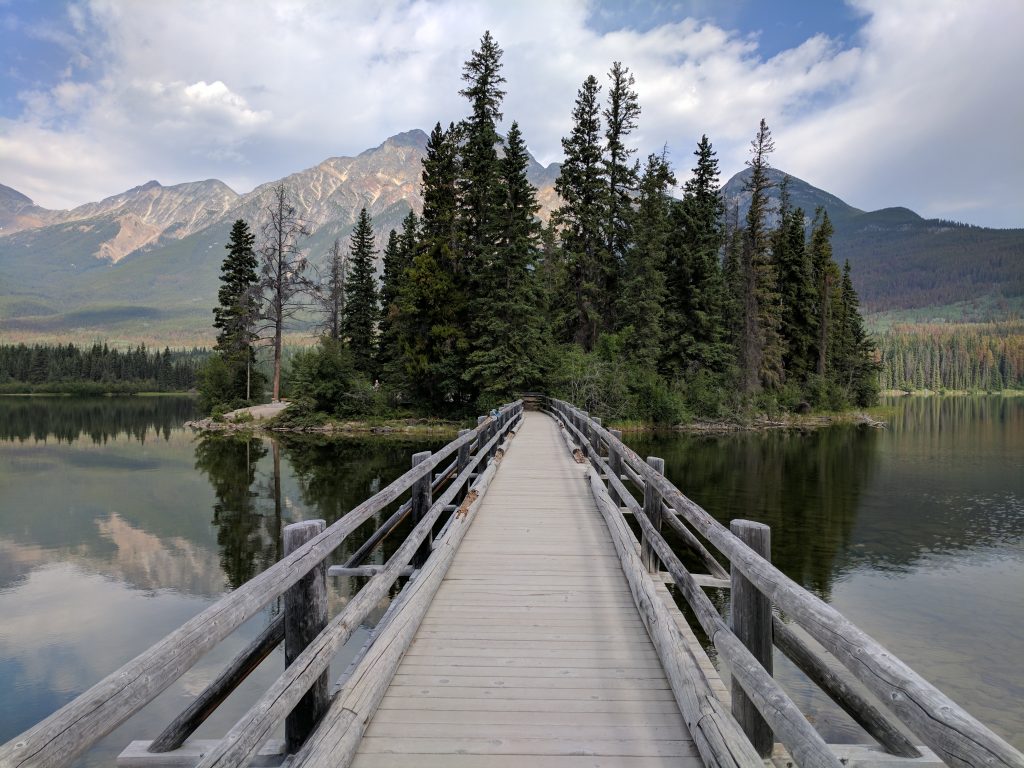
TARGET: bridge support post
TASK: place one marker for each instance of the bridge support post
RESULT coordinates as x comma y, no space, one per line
595,438
614,466
462,461
751,619
305,616
421,501
652,509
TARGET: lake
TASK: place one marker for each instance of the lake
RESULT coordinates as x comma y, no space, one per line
117,524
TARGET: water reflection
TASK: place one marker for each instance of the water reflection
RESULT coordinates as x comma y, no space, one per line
248,540
807,487
99,419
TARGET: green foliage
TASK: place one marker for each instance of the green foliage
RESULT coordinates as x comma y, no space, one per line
218,385
362,303
325,379
97,369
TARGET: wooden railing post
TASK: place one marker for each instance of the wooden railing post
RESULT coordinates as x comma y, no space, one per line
305,616
421,501
463,455
652,509
595,437
614,467
751,619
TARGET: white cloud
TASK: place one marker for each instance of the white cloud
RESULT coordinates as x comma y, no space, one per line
922,112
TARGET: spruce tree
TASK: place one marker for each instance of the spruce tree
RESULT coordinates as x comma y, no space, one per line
398,256
643,293
431,338
620,170
697,316
581,220
826,275
507,326
362,309
479,173
236,314
760,349
796,289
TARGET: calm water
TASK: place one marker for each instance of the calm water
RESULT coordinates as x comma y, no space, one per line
116,525
915,533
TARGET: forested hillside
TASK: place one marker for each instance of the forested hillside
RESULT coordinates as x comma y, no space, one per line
978,356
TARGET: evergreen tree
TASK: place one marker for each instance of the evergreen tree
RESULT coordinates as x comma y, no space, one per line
362,308
580,219
796,289
480,173
856,368
643,295
507,326
236,314
760,349
697,316
620,171
431,339
826,275
398,256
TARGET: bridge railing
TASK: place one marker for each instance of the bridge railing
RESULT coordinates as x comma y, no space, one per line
759,703
61,737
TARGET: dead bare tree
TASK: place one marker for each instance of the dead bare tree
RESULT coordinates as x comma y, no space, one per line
282,282
330,294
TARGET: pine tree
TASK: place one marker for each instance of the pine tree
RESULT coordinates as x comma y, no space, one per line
620,171
760,351
643,296
479,174
507,324
581,219
362,308
431,339
826,275
796,289
236,314
698,337
856,368
398,256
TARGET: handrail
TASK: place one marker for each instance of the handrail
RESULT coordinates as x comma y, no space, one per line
951,732
59,738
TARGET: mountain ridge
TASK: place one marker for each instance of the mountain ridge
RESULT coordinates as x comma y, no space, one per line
148,258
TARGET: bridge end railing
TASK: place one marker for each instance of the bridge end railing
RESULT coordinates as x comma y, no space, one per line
451,471
745,643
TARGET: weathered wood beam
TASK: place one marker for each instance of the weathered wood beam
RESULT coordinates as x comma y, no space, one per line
718,737
955,735
58,739
244,738
863,712
305,616
204,705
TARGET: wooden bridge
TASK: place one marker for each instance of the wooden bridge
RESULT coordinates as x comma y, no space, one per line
533,629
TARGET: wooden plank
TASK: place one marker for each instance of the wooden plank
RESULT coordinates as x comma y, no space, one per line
512,718
524,746
625,708
137,754
58,739
517,761
509,681
574,731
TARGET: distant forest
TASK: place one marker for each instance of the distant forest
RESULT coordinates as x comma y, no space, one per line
97,369
976,356
631,303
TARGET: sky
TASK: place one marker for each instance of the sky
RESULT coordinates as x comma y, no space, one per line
882,102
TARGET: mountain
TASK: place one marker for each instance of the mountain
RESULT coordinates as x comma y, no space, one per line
144,264
901,261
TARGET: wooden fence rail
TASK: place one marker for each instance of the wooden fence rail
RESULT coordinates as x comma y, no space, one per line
61,737
952,733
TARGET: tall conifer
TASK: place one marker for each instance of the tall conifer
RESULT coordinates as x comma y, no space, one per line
235,316
362,307
581,219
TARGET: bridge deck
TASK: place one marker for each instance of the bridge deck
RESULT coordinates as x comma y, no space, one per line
532,652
